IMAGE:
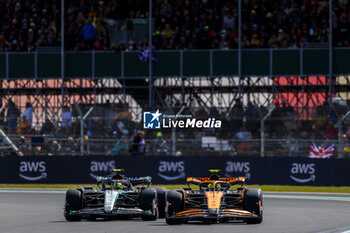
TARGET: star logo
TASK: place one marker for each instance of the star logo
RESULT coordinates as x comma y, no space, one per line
151,120
156,115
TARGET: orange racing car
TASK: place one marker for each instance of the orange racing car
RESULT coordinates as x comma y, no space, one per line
214,201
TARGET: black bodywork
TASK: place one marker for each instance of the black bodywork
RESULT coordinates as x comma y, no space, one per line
109,203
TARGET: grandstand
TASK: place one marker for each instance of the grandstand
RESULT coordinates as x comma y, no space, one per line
232,60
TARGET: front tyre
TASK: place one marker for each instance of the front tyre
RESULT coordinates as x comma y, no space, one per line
161,193
73,203
253,202
175,203
149,202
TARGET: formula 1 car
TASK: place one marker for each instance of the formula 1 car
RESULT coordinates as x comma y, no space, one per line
116,197
214,201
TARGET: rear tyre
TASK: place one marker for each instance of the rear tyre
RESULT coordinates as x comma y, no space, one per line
175,203
253,202
148,202
161,192
73,202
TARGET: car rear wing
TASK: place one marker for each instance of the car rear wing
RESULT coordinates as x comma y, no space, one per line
234,180
147,180
231,180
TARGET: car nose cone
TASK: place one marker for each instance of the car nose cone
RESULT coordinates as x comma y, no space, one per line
213,212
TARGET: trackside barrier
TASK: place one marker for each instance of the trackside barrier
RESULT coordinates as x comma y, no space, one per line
174,170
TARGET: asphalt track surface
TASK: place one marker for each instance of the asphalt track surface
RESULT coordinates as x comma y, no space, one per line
39,212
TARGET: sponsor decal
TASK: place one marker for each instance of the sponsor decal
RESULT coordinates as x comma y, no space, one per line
32,170
101,168
133,177
111,197
157,120
171,170
303,172
235,168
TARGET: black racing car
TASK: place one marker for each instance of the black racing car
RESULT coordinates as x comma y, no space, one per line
116,197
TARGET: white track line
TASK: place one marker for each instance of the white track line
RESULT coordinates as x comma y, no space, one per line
313,193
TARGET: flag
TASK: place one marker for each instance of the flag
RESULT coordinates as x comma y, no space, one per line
321,152
144,55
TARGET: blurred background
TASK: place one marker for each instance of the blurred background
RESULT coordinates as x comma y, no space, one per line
76,81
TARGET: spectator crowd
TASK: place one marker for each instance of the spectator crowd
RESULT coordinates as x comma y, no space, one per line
26,25
111,128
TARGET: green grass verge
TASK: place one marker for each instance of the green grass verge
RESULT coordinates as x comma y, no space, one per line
275,188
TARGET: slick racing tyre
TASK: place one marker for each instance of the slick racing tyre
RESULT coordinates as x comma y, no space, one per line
175,202
161,192
253,202
73,202
149,202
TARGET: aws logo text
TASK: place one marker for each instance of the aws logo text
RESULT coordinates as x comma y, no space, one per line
36,169
304,171
171,170
238,168
101,168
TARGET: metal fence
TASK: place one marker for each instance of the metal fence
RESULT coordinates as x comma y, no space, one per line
291,147
250,130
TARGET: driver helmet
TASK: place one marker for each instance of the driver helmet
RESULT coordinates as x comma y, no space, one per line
210,186
119,186
118,176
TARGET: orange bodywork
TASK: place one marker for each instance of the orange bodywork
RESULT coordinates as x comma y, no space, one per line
214,199
228,212
222,179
